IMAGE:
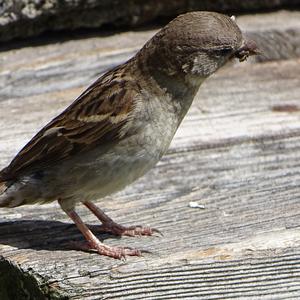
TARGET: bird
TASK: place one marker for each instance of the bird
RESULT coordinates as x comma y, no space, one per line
122,124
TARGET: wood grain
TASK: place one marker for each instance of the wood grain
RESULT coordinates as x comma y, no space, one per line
236,153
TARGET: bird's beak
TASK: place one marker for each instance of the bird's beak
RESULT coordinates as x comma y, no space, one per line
248,48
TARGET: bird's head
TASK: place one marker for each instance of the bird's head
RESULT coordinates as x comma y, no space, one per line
197,44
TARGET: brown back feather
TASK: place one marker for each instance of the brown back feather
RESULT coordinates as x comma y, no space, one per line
96,117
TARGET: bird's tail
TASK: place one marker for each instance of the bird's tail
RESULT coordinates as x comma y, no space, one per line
4,198
2,187
14,193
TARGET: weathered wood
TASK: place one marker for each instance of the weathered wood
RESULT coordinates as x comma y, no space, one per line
23,18
237,153
55,67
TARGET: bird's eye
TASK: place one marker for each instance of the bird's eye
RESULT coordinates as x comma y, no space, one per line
223,51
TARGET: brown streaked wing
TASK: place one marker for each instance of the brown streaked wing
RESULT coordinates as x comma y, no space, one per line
95,117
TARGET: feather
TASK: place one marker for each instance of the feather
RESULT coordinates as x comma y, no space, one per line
95,118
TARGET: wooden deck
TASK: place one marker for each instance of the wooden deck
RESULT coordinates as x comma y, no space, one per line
237,153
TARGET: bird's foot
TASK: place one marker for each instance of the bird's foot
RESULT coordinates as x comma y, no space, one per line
102,249
108,225
120,230
93,244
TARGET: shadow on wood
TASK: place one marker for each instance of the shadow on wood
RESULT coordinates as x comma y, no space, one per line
44,235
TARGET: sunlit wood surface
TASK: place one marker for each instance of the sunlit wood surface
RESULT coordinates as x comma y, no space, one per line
237,153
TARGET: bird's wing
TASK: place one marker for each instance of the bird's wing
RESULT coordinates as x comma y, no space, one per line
96,117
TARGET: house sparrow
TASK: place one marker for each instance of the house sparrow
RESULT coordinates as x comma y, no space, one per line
120,127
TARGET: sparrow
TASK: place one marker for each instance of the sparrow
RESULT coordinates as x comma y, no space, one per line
122,124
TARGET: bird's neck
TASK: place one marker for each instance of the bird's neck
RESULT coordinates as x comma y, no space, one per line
178,86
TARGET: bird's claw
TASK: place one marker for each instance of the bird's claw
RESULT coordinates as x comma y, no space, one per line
120,230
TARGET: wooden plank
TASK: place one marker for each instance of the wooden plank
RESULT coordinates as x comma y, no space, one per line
50,67
25,19
237,153
246,175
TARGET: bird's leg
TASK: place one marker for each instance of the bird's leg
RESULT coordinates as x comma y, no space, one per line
110,226
95,244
